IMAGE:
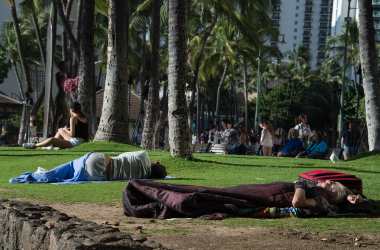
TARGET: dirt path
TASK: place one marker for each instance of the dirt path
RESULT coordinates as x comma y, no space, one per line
195,234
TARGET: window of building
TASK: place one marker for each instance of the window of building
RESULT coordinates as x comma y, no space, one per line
295,22
295,30
297,7
296,14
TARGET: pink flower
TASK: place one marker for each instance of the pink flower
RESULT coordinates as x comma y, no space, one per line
71,84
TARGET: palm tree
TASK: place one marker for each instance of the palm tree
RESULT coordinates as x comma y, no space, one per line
152,105
371,84
162,121
35,10
86,89
114,120
179,134
25,70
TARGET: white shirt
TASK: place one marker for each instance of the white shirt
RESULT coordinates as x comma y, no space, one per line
266,139
303,130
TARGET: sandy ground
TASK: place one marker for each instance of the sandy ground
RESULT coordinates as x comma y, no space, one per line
187,234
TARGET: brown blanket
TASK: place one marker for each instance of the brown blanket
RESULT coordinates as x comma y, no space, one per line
150,199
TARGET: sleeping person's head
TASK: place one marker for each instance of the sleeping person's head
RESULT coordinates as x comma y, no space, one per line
158,171
339,193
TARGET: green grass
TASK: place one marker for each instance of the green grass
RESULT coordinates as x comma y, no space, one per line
205,169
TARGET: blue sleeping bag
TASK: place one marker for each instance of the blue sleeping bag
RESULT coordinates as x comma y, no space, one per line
73,171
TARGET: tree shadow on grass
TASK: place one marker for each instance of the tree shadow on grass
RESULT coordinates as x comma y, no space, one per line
364,155
286,166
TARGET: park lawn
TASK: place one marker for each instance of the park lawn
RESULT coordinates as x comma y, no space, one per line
205,169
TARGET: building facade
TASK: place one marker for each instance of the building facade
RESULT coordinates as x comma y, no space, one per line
339,14
303,23
376,18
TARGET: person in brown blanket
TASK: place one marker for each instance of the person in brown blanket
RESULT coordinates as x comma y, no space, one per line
158,200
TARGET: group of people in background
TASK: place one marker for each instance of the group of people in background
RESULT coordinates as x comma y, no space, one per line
301,140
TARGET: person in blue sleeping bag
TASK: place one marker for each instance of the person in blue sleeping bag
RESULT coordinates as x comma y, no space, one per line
97,166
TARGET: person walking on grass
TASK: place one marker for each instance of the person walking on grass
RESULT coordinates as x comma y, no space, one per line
67,137
266,139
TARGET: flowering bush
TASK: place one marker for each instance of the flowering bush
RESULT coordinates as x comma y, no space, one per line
70,85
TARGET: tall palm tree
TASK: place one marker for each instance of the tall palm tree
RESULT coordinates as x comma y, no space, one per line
86,89
179,134
371,84
35,10
152,105
25,71
114,120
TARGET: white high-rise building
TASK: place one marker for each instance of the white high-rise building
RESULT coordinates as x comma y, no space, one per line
340,9
338,21
303,23
339,14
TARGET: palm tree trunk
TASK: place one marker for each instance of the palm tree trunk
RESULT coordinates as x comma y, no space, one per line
67,27
19,43
194,83
114,120
142,76
19,82
25,71
218,91
38,34
162,120
179,134
23,128
371,84
152,106
37,30
75,56
86,88
245,95
49,73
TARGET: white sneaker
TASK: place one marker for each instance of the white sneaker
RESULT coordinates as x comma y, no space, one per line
29,145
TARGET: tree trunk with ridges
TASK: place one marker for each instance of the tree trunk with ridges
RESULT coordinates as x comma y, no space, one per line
179,134
152,105
114,120
371,84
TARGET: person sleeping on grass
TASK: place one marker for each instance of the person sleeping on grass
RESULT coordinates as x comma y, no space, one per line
324,198
96,166
148,199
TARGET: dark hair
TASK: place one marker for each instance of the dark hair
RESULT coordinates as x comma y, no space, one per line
301,117
61,66
269,126
226,121
157,171
75,107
